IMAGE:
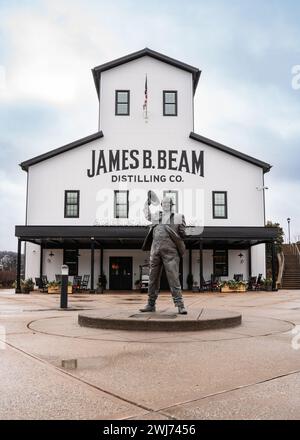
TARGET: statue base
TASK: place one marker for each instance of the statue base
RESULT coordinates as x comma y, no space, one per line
195,320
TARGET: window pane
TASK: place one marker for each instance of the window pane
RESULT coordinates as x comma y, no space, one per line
220,269
72,197
220,263
122,97
72,269
170,109
71,259
121,197
170,98
122,109
220,198
219,211
121,211
72,210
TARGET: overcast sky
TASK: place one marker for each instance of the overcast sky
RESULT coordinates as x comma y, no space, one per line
245,98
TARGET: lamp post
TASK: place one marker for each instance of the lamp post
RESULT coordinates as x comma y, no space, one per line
289,229
64,286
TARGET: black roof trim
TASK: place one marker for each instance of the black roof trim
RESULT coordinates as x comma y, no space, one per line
141,53
130,232
264,165
27,163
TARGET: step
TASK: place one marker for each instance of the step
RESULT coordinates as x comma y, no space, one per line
291,280
291,274
286,280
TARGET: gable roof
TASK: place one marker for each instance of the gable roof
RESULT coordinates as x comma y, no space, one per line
141,53
27,163
264,165
99,134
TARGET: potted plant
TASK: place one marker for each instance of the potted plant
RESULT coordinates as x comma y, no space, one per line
267,283
27,285
241,286
233,286
53,287
102,283
70,286
190,281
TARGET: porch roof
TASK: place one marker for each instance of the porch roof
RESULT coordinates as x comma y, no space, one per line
132,237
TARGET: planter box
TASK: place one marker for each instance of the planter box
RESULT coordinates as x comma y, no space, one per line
57,290
53,290
226,289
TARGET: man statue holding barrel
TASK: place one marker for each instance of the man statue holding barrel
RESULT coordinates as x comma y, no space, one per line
166,245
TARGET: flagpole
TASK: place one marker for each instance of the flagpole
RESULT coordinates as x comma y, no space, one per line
145,106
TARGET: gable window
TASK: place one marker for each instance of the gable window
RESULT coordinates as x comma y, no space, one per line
71,204
121,204
220,262
174,196
70,258
122,102
170,103
219,204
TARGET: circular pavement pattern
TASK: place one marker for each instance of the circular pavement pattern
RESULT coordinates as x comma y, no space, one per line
195,320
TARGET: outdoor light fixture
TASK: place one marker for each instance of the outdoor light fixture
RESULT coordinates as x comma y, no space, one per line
64,286
260,188
64,269
289,229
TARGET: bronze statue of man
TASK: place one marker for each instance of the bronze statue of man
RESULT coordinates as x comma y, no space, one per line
165,239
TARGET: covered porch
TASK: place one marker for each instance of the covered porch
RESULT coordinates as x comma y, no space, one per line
115,240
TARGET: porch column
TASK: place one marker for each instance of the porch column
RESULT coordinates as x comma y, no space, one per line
190,264
201,265
249,262
273,266
18,286
101,269
101,262
92,263
41,259
190,261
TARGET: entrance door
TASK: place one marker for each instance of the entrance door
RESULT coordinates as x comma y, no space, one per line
120,273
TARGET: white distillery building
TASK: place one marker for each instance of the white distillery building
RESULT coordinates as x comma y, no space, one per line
96,186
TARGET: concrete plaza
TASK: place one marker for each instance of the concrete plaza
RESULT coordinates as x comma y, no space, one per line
247,372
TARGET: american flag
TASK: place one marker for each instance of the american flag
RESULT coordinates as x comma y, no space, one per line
145,95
